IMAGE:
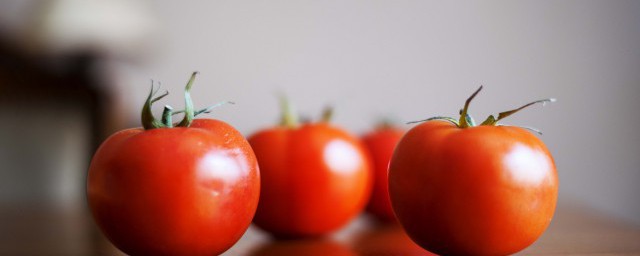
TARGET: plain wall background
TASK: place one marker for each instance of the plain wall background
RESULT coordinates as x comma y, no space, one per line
415,59
410,60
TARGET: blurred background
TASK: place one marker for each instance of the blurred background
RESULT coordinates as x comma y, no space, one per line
74,71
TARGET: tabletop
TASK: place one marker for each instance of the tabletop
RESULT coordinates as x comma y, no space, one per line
574,230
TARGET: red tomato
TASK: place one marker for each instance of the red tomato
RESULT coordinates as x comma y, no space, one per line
314,179
174,191
380,144
459,189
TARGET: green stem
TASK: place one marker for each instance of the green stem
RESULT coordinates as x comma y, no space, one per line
327,114
289,119
467,121
464,118
148,120
385,123
166,116
444,118
491,120
189,113
206,110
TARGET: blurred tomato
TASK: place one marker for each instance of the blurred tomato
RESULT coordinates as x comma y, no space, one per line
315,178
380,144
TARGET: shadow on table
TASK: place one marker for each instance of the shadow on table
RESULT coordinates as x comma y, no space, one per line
310,247
367,238
385,239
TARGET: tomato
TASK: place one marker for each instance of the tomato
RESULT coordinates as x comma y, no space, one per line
314,178
163,190
380,144
461,189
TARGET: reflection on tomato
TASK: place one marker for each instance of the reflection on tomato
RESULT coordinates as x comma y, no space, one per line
380,144
461,189
387,239
315,178
309,247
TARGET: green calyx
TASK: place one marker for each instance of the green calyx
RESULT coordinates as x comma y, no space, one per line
327,114
150,122
290,119
385,123
466,120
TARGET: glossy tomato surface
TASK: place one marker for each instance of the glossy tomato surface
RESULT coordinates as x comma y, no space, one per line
315,179
484,190
380,143
174,191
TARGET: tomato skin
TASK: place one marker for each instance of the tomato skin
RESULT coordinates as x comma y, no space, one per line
315,179
484,190
174,191
380,144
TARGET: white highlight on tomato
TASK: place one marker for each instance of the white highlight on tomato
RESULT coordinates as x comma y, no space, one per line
226,166
342,157
527,165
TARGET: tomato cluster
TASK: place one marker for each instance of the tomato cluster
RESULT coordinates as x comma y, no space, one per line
194,187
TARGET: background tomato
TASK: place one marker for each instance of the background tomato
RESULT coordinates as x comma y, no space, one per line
315,178
472,190
174,191
380,143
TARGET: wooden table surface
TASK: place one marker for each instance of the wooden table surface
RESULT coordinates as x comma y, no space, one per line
574,231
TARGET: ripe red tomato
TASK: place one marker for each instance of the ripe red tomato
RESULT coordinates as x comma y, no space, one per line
314,178
189,190
380,144
459,189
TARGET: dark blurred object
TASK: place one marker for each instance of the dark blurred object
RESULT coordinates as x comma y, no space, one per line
38,81
58,102
54,114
